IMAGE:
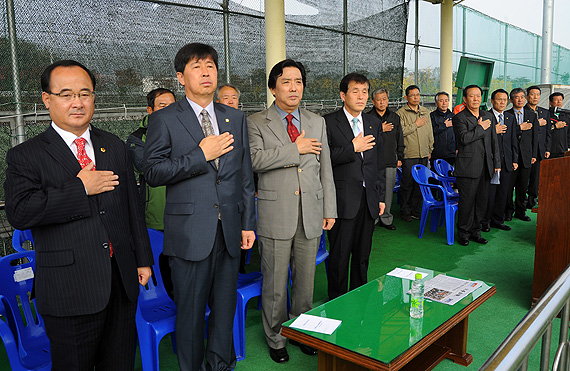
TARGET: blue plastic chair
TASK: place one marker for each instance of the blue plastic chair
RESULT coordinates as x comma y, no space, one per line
156,312
421,175
249,286
445,171
323,254
19,237
23,332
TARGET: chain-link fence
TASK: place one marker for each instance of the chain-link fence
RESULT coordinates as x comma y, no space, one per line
130,46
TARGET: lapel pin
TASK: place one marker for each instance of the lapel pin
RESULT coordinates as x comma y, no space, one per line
227,120
103,149
370,127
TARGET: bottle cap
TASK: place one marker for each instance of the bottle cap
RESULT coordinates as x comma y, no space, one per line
418,276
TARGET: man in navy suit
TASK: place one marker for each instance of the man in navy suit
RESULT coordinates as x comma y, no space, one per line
477,160
73,186
200,151
504,125
357,155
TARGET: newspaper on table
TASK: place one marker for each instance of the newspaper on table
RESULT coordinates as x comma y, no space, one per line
448,290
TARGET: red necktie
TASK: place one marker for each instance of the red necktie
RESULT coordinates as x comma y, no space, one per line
84,160
291,129
82,157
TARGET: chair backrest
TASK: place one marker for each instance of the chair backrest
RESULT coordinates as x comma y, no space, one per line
154,290
21,236
443,168
16,275
421,175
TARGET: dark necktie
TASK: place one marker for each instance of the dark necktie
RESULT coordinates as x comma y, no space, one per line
291,129
208,130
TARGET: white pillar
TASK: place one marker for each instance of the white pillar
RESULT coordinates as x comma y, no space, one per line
446,48
274,37
546,65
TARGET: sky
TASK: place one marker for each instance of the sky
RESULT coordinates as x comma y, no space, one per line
527,14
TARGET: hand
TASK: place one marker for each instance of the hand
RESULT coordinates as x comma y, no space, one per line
533,160
421,121
307,145
387,126
501,128
560,124
484,124
363,143
526,126
215,146
515,166
541,122
448,123
144,275
547,154
399,164
247,238
382,207
97,181
328,223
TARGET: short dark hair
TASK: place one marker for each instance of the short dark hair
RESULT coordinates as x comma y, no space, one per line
533,87
494,94
516,91
153,94
472,86
555,94
440,93
194,51
277,71
410,88
46,75
353,77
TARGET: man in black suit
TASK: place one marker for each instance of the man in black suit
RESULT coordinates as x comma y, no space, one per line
504,125
477,160
74,187
544,142
558,125
200,151
527,135
357,154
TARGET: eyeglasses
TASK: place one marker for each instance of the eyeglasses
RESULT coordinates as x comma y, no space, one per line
68,96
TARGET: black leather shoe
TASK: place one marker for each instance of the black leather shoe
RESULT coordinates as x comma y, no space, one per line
279,355
406,217
416,216
310,351
390,227
478,239
523,217
508,218
485,228
463,241
503,226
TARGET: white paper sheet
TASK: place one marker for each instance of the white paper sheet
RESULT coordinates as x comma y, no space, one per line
316,324
405,273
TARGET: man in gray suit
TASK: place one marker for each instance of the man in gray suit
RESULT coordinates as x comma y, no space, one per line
200,151
295,200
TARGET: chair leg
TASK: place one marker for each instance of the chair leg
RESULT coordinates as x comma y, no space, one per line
450,224
425,211
435,213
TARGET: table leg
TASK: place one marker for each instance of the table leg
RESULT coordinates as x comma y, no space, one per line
456,340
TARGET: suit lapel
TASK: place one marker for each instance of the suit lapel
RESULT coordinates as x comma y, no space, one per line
307,125
57,148
277,126
100,148
189,121
346,129
224,125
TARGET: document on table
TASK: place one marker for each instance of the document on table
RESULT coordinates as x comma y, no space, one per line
405,273
316,324
448,290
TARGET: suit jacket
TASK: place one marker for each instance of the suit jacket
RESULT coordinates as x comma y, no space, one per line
477,148
528,139
283,172
71,230
508,143
560,137
544,132
197,193
350,169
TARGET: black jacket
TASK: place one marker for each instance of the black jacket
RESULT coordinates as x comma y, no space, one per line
560,137
544,132
393,140
528,139
443,137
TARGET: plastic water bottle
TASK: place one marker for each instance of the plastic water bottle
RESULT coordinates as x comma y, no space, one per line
417,302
